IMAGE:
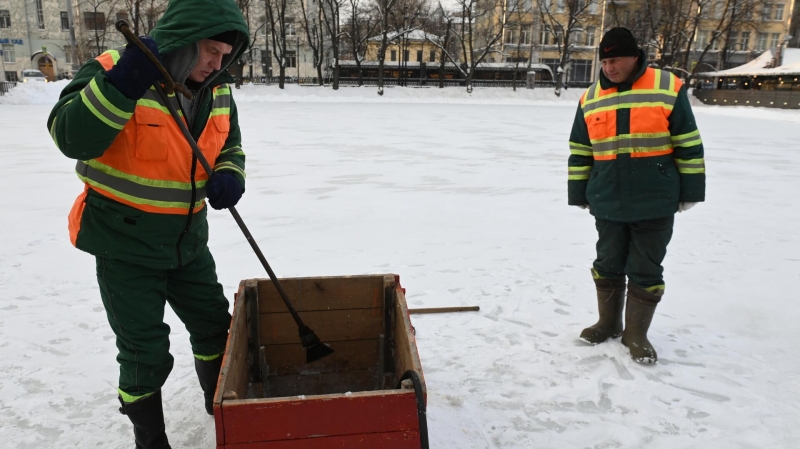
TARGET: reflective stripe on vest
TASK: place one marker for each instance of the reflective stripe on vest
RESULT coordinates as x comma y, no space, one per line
650,101
148,165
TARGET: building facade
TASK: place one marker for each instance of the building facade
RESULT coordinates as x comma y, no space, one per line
55,36
539,30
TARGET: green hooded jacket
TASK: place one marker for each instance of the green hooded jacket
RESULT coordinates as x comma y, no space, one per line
109,228
633,189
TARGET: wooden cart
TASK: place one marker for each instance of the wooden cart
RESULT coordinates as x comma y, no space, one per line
269,398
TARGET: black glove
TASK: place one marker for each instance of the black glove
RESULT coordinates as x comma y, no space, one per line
223,190
134,72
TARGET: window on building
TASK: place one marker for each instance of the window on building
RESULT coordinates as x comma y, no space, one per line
419,56
405,55
775,40
94,20
549,37
525,34
560,5
12,76
291,59
581,70
745,40
766,12
509,38
702,40
590,32
8,53
290,28
40,14
64,20
779,11
577,38
263,28
432,57
719,8
5,18
67,54
761,45
122,15
552,63
394,55
733,41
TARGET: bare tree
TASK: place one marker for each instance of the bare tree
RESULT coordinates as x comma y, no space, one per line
406,18
727,15
521,34
312,25
440,30
383,10
361,28
331,13
475,41
276,17
564,18
99,16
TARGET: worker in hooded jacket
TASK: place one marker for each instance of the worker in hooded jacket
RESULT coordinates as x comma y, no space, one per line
142,211
636,158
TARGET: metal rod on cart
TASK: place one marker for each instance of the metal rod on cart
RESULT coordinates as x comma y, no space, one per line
444,310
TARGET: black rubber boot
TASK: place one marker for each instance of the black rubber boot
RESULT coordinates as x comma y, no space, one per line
610,301
207,373
147,417
638,316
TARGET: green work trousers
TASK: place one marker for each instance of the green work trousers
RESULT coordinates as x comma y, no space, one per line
633,249
134,297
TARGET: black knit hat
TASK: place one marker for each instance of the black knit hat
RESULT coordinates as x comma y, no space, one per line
227,37
618,42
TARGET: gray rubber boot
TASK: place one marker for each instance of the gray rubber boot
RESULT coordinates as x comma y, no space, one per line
610,301
638,316
147,416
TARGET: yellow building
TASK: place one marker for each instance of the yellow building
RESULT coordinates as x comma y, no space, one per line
408,46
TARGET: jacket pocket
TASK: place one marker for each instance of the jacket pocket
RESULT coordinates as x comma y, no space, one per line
596,124
151,134
121,212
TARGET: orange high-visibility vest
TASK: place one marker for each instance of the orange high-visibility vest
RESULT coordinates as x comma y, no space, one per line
148,165
650,101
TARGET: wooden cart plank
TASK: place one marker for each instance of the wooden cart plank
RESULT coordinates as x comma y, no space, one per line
348,356
333,325
406,355
323,293
408,439
278,419
294,385
234,373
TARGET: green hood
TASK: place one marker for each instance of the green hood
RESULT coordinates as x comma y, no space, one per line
189,21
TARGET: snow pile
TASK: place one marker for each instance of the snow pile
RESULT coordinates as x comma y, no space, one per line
293,93
34,93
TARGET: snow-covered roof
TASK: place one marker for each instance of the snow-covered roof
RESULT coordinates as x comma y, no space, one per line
759,66
413,35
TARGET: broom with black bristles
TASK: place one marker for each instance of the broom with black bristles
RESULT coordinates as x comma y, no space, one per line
315,349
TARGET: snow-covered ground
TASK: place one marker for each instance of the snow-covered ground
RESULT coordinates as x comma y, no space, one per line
465,198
